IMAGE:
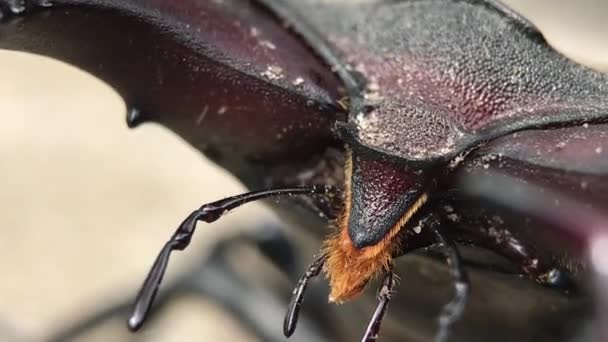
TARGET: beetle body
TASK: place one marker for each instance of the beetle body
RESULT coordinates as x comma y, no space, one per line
437,90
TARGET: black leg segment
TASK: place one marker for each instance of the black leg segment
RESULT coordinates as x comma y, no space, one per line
293,310
181,239
384,297
453,310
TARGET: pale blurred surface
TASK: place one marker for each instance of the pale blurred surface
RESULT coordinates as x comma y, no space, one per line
87,203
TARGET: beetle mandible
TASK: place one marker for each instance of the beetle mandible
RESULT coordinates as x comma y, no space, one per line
389,109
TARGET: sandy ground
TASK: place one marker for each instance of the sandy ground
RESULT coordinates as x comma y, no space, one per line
86,203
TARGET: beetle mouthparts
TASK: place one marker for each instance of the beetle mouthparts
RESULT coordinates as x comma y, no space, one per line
383,195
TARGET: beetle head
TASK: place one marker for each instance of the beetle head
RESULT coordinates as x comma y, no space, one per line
382,193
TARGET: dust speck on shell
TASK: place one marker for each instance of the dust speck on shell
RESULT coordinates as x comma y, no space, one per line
273,73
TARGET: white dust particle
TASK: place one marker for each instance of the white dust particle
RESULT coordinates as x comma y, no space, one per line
498,219
453,217
373,87
201,117
360,117
456,161
268,44
417,229
273,73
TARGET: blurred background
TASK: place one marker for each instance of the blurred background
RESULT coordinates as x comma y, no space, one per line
86,203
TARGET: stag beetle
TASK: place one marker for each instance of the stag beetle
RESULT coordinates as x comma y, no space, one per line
406,124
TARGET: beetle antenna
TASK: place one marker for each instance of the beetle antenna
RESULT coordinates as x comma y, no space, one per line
293,310
181,239
453,310
384,297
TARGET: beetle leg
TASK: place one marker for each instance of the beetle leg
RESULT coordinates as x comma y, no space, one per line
384,297
202,280
293,311
453,310
181,239
503,242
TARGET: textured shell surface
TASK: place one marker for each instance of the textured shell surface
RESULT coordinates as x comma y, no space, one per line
442,75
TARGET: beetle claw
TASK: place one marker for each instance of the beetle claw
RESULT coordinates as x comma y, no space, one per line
293,310
148,291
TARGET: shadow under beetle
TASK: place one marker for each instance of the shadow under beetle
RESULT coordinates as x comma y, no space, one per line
402,124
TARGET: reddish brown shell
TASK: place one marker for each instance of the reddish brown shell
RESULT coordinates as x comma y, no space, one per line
225,75
441,76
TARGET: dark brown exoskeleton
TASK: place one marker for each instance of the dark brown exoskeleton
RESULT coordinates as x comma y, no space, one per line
404,125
